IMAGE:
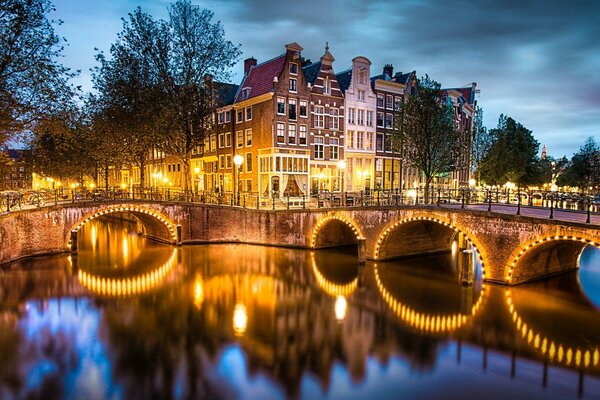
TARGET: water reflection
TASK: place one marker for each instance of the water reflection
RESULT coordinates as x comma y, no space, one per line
231,321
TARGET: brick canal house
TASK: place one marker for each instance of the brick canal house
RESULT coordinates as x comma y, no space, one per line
391,172
327,129
359,132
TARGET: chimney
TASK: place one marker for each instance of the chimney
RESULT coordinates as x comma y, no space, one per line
388,70
249,63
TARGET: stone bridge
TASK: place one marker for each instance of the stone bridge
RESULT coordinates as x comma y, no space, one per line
512,249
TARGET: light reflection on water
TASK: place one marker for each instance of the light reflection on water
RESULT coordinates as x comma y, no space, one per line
229,321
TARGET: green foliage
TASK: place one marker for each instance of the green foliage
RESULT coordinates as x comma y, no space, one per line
512,156
481,143
32,82
425,127
580,170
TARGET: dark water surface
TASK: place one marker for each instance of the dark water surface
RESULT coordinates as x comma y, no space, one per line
132,319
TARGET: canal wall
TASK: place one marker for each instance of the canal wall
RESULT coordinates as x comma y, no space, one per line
513,249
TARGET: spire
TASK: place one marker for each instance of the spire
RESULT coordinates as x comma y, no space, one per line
327,57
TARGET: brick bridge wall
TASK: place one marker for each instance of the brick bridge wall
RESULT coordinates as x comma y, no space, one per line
514,249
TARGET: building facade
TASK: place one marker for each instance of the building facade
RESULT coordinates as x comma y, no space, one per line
15,170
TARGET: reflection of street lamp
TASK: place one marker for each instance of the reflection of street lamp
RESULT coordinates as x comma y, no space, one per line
341,166
341,307
240,319
238,160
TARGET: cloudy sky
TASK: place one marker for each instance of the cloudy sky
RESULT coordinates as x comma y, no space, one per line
537,61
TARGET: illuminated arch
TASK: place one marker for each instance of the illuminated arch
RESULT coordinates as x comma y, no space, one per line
127,286
526,247
553,351
329,218
331,288
427,322
386,231
138,211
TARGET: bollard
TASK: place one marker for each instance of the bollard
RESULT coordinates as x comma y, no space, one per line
489,200
551,208
288,202
462,205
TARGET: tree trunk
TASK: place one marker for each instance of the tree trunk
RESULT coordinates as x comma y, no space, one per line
428,180
106,178
142,172
186,172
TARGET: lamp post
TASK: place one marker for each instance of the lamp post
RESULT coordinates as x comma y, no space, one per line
238,160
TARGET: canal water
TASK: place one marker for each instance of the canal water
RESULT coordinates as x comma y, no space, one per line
131,319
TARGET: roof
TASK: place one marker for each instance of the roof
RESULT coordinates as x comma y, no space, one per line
468,93
402,78
344,79
260,78
311,72
226,92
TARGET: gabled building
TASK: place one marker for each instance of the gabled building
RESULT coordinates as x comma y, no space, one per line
272,103
359,130
391,172
327,128
15,170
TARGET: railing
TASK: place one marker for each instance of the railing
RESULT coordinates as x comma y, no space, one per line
486,199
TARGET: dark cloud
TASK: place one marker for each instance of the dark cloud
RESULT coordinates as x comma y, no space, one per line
535,60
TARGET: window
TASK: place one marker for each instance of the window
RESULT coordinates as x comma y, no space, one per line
248,113
248,185
361,117
319,147
380,119
292,109
360,140
239,139
389,120
388,142
280,132
334,148
380,100
240,116
221,161
334,122
248,137
302,135
292,85
281,106
319,117
350,139
228,139
213,142
351,112
248,162
369,118
293,68
379,142
228,116
221,117
303,108
362,77
397,103
221,140
369,140
245,93
292,133
389,101
227,160
326,86
361,95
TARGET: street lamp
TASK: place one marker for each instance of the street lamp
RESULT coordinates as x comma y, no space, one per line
238,160
341,166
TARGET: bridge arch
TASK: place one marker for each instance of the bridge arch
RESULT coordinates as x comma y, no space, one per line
334,231
545,256
157,225
440,239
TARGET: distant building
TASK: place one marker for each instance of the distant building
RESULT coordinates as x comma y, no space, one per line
15,170
544,152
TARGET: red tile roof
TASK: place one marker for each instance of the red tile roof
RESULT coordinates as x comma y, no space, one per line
260,78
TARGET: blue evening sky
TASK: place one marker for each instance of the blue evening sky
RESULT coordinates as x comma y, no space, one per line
537,61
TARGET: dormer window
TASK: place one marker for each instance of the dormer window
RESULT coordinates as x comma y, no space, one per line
245,93
293,69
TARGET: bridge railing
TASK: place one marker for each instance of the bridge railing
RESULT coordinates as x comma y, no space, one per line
490,199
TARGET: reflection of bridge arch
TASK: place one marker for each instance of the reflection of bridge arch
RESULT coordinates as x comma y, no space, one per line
157,225
428,322
385,235
318,232
331,288
553,351
106,286
550,254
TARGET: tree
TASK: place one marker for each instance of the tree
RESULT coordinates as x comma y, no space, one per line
32,82
512,156
481,143
579,171
425,127
184,53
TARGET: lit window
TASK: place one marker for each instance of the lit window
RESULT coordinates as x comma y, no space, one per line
280,132
280,106
248,137
292,134
248,162
319,148
303,108
239,139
